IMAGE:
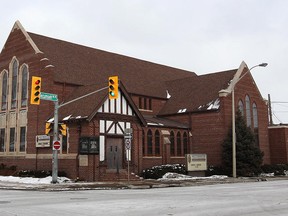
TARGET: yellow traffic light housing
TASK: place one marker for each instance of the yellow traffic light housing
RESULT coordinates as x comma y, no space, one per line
49,128
62,129
113,87
35,90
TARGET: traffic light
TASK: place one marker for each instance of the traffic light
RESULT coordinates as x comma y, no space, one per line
62,129
49,128
113,87
35,90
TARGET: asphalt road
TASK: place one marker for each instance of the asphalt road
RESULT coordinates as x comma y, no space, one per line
250,198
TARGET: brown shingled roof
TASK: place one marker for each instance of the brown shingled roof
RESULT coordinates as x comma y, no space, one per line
82,65
197,93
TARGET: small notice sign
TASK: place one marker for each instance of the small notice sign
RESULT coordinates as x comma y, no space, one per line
196,162
42,141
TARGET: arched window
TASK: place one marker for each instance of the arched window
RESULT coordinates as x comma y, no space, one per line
241,107
172,145
157,143
185,143
255,123
255,116
24,89
248,111
178,144
14,84
149,142
4,91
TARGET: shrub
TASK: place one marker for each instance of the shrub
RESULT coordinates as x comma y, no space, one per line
38,173
277,169
156,172
2,166
216,170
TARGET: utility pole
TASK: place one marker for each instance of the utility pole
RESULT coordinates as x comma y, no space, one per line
55,151
270,111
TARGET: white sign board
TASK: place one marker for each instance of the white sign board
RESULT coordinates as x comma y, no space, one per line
196,162
42,141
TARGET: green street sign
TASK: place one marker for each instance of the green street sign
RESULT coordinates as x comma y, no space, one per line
48,96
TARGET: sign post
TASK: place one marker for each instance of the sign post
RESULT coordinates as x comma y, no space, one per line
128,140
55,141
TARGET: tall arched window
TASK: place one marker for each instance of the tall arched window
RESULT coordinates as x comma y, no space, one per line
14,84
178,144
255,123
172,145
248,111
4,91
255,116
149,142
241,107
185,143
157,143
24,89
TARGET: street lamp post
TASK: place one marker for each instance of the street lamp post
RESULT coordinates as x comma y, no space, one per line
233,119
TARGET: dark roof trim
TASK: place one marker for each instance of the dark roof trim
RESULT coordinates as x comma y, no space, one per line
190,112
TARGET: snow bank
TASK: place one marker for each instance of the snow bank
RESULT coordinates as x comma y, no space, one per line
30,180
180,177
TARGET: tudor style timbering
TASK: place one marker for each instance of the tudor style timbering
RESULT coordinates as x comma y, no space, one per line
119,106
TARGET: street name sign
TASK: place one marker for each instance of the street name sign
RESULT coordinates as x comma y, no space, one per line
48,96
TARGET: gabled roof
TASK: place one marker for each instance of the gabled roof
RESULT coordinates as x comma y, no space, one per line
81,65
199,93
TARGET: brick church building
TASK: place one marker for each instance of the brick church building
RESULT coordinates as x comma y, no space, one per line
170,111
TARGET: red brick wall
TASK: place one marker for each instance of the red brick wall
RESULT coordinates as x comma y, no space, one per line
278,138
157,105
245,87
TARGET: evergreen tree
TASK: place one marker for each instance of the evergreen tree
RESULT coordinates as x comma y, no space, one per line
249,157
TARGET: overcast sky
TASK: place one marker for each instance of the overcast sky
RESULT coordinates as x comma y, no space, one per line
201,36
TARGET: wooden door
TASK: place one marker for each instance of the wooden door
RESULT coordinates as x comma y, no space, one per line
114,153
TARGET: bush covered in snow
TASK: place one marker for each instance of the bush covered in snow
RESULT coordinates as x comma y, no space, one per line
157,172
276,169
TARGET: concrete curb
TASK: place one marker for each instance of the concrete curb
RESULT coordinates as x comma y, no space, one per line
142,184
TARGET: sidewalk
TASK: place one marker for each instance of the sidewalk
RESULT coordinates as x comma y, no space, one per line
141,184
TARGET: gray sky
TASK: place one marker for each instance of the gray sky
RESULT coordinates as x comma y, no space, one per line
201,36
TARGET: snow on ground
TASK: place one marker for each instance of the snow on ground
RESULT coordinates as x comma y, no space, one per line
30,180
180,177
167,177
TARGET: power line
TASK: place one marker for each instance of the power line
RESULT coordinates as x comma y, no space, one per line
277,117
